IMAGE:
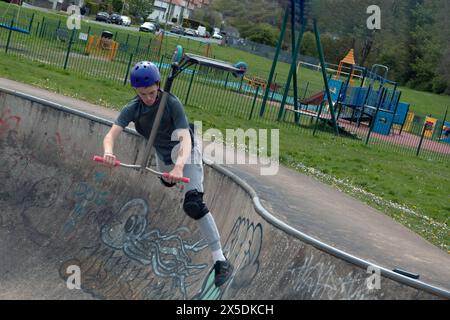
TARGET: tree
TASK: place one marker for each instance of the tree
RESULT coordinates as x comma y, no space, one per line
140,8
413,41
117,5
264,33
208,15
245,15
308,47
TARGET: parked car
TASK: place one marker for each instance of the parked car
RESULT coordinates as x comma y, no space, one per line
177,30
115,18
126,21
190,32
201,31
217,36
147,27
102,16
157,25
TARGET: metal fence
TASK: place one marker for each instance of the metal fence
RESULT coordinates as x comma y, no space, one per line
84,50
50,42
266,51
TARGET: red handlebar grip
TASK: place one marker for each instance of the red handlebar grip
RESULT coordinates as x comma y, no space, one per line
183,179
100,159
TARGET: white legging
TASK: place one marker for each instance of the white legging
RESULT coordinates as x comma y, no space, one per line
194,171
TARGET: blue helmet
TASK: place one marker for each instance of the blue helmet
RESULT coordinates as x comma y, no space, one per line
144,74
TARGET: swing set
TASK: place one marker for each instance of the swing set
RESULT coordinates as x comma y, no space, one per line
16,18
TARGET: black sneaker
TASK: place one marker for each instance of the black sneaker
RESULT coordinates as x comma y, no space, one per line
223,271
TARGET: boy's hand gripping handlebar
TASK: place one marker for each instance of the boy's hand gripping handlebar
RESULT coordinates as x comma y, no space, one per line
133,166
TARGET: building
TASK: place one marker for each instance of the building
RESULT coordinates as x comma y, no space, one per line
18,2
55,4
169,10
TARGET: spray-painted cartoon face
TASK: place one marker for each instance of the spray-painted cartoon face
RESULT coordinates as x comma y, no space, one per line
135,225
127,226
167,254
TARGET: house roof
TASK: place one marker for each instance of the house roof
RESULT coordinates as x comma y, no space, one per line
192,4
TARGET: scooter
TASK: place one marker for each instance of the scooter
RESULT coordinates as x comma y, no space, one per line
180,61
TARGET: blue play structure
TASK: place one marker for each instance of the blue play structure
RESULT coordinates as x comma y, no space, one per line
400,114
383,122
445,134
375,101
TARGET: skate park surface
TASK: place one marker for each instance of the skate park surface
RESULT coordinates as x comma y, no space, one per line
131,240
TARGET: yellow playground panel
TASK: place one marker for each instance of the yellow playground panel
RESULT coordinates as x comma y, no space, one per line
255,81
408,122
430,126
102,47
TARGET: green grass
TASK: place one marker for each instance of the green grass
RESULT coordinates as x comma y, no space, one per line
421,184
426,103
54,79
421,103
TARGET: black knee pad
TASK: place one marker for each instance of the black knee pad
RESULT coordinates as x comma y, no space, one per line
194,206
167,184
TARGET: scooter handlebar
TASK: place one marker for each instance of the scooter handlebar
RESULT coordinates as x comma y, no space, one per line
102,160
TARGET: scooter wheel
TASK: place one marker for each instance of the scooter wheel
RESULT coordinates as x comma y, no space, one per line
178,54
242,66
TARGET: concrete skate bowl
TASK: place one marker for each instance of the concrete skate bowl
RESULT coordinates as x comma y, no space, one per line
128,235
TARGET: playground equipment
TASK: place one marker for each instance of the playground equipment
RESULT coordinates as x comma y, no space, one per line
374,76
296,11
445,135
380,109
13,28
430,126
384,119
378,105
308,106
375,102
103,46
315,99
409,121
256,82
11,25
349,59
400,116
